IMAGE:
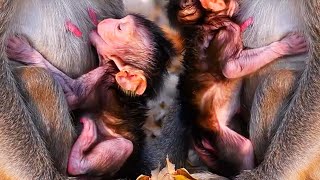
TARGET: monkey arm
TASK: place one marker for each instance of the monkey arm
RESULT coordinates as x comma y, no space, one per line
76,90
249,61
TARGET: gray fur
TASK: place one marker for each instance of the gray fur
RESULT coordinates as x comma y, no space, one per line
172,142
292,129
36,135
53,36
35,141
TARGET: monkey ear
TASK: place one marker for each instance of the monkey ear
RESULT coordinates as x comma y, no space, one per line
217,5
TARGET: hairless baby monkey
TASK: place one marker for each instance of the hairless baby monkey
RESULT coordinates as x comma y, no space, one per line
133,57
215,62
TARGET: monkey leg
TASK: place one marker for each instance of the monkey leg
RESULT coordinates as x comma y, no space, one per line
45,100
227,152
76,90
98,155
288,147
270,101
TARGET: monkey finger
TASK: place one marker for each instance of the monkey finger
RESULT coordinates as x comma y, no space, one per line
17,43
302,49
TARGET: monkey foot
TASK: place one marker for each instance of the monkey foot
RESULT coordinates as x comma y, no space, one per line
132,81
19,49
226,150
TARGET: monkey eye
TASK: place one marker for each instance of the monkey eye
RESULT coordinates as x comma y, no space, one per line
119,27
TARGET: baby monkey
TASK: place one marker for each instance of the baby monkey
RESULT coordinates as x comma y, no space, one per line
215,62
133,56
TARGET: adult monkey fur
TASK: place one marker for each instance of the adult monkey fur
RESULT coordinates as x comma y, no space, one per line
284,109
35,141
114,127
282,97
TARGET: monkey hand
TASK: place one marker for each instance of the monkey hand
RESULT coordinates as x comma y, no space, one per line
19,49
189,12
132,81
292,44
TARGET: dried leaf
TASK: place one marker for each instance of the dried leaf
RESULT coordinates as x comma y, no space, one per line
143,177
168,173
170,166
183,172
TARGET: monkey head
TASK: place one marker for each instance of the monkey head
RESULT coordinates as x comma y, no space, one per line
138,48
184,12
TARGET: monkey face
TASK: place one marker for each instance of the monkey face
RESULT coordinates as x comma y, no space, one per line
117,31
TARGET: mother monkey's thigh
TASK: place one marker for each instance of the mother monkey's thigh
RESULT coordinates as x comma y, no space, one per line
285,122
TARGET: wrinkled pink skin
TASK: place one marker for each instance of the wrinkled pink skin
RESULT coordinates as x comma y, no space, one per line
95,151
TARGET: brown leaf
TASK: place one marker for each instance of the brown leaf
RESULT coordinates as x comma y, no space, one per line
168,173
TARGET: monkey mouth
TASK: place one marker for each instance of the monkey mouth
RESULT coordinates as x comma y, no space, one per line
189,15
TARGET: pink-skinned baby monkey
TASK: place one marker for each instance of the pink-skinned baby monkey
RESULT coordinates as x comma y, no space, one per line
215,62
133,56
